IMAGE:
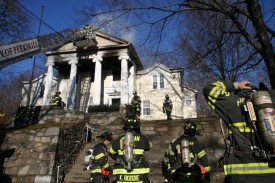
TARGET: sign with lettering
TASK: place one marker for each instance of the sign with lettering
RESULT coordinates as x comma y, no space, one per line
17,49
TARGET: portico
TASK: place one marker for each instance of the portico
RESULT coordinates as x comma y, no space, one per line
104,74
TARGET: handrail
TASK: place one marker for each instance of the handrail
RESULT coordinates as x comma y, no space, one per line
78,142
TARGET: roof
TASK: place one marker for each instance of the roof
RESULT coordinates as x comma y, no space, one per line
161,66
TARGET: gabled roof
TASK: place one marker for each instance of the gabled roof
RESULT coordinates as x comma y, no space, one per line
105,42
160,66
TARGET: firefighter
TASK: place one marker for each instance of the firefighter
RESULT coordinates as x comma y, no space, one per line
128,151
167,106
100,168
186,158
136,104
57,100
241,164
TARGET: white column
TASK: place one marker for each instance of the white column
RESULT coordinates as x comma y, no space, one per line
48,82
124,94
71,88
131,82
97,81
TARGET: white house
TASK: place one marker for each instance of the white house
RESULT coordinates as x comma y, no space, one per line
107,72
157,81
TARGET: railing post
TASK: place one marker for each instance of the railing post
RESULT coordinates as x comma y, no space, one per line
57,177
87,129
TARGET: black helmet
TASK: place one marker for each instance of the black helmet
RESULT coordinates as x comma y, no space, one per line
166,96
131,122
105,135
191,128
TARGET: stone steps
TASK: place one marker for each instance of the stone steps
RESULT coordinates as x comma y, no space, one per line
159,134
76,174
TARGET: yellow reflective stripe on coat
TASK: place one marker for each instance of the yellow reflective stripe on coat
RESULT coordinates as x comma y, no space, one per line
248,168
171,152
201,154
207,168
111,150
242,127
99,156
218,89
106,165
97,170
136,152
135,171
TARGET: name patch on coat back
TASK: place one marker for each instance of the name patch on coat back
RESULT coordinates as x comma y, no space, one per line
129,178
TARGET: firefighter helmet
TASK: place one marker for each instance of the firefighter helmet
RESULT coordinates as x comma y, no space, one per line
131,122
191,128
105,135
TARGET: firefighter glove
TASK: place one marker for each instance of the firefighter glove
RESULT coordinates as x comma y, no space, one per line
105,172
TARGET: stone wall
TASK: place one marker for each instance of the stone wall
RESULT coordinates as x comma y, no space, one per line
32,155
36,153
33,159
58,115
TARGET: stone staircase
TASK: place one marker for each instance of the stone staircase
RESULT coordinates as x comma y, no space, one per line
76,174
159,134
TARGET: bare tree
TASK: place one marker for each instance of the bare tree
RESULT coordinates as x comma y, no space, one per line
14,22
246,18
10,93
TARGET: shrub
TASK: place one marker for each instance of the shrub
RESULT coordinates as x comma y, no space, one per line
103,108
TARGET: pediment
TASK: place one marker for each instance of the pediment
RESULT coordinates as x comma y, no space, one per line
103,40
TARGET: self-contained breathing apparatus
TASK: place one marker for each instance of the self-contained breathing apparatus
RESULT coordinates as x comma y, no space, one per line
184,151
260,114
128,149
188,171
88,159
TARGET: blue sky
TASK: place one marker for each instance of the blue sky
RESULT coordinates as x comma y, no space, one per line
58,14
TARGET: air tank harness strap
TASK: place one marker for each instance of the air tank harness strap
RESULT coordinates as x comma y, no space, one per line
264,106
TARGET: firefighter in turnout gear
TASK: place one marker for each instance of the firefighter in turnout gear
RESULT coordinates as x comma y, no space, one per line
167,107
128,151
57,100
186,158
136,104
100,168
244,160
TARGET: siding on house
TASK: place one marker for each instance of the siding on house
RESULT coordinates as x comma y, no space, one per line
154,83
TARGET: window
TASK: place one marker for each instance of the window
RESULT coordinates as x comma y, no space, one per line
155,81
188,98
146,108
161,81
158,80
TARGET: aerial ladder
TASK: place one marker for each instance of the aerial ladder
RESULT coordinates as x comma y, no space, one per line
16,51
